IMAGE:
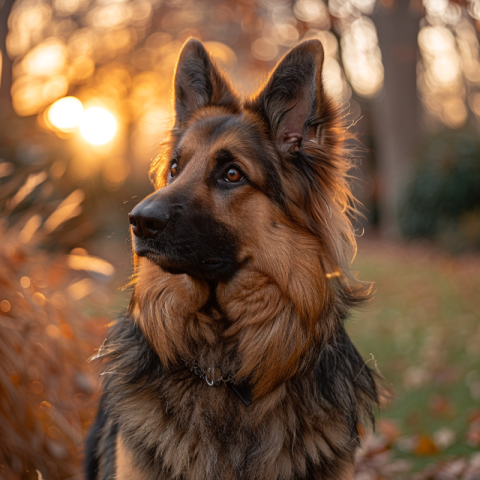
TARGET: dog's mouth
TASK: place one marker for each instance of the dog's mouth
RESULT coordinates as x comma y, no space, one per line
211,262
209,268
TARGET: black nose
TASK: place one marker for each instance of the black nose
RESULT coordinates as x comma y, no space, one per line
149,218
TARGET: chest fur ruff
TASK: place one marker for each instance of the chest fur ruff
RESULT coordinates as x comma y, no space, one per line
172,425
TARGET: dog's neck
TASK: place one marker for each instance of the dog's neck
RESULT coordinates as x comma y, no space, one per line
251,327
217,352
204,333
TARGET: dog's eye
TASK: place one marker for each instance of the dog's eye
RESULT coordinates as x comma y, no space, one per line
233,175
173,170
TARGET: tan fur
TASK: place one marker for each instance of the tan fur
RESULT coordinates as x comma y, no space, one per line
165,305
125,465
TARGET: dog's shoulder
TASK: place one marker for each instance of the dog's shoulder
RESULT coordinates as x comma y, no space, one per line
126,468
346,382
101,445
92,458
128,359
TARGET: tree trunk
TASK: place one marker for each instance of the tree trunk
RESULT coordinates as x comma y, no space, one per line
396,110
5,63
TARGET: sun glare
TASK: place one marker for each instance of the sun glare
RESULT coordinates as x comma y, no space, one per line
97,126
65,114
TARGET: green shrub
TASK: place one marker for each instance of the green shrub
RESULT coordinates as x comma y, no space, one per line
442,201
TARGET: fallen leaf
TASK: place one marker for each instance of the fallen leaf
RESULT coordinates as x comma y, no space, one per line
425,446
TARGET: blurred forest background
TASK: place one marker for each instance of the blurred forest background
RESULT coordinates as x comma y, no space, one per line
85,99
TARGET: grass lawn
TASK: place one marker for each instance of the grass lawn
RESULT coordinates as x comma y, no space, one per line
423,329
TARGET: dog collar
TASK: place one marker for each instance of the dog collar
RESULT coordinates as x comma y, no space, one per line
214,377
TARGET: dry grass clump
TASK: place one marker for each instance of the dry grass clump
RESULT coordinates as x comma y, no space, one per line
46,386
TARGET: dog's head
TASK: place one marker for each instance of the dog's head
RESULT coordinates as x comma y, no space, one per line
251,202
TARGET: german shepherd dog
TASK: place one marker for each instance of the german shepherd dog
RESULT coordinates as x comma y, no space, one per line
232,362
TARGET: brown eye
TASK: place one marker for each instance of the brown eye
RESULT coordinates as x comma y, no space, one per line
233,175
173,170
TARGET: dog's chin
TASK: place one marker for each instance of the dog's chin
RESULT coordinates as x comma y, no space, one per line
211,269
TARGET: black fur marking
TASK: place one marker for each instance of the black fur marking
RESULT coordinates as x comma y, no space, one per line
243,391
92,442
191,242
346,382
108,450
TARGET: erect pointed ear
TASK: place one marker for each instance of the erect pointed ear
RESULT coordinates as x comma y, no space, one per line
291,98
198,83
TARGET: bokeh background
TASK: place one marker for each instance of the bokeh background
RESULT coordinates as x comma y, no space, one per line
85,99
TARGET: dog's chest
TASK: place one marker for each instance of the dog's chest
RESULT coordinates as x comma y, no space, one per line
190,431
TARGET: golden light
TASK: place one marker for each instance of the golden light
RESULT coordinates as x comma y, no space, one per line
362,57
68,7
285,34
32,94
46,59
90,263
445,55
310,10
69,208
221,52
65,114
97,126
264,49
109,16
335,81
5,306
81,289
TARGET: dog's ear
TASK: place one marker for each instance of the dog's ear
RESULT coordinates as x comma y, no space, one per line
291,99
198,83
